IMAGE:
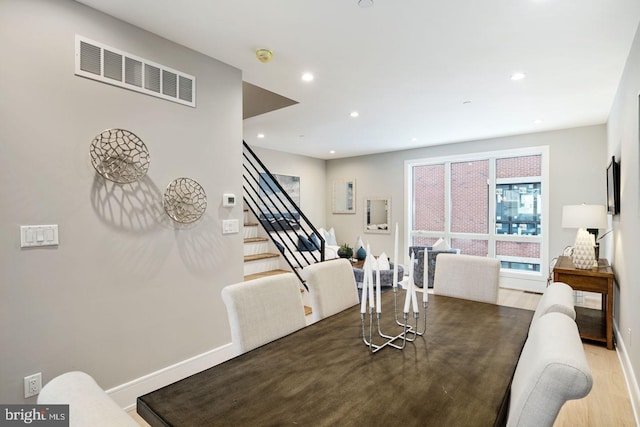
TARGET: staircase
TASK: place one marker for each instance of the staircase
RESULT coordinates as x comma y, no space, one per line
281,219
259,261
270,217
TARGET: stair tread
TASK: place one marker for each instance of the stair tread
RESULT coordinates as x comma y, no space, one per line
265,274
307,310
256,239
265,255
251,224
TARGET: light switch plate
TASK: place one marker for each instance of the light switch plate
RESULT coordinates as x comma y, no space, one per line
230,226
38,235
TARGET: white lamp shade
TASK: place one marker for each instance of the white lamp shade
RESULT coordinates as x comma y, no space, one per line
584,216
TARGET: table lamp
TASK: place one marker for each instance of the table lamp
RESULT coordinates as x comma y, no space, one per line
587,219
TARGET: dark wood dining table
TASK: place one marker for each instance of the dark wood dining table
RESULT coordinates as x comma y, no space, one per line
457,374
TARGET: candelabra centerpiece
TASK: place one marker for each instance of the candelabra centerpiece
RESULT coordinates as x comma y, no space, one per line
409,332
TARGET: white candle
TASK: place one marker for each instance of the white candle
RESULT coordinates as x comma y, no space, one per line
370,277
378,305
407,299
425,279
395,259
414,299
363,296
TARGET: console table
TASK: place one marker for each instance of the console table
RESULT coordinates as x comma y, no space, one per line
595,325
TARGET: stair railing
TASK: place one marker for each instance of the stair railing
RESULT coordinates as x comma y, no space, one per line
279,215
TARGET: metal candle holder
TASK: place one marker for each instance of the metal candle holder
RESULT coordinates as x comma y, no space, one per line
409,333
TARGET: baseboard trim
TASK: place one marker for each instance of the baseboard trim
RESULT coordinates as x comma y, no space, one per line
628,373
126,394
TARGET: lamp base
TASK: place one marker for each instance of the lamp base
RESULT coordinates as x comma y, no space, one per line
583,251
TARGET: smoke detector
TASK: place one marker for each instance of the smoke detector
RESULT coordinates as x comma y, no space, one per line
264,55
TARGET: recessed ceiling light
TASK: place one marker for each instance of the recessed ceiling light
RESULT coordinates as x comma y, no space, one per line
518,76
537,121
365,3
354,114
261,135
332,152
307,77
414,139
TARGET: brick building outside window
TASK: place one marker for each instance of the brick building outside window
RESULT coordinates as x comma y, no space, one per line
487,204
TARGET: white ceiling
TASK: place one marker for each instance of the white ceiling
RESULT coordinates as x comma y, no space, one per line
407,66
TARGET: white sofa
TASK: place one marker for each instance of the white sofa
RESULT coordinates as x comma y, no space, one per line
89,404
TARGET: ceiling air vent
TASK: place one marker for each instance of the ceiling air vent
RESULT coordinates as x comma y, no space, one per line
108,65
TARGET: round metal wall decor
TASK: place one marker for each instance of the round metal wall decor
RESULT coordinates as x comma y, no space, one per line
184,200
119,156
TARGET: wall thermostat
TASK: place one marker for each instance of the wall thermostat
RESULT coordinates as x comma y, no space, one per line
228,200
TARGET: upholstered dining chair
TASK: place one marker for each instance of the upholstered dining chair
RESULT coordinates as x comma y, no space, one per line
89,404
552,369
263,309
467,276
332,287
557,297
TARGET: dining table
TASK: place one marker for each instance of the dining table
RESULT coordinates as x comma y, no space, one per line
458,373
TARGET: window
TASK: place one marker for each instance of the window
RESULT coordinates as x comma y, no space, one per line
487,204
518,208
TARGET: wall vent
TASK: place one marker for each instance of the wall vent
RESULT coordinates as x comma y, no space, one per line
103,63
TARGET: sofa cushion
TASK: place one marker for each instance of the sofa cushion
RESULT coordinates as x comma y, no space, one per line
441,245
305,244
383,262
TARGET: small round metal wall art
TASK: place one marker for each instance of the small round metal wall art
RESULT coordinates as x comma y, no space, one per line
119,156
184,200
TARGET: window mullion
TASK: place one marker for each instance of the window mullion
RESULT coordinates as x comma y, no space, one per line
492,207
447,202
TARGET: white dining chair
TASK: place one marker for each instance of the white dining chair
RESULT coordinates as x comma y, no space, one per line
89,404
557,297
552,369
332,287
467,276
264,309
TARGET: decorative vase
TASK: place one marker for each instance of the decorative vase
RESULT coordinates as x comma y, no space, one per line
583,252
361,253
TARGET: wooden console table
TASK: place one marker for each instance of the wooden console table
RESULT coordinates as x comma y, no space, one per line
595,325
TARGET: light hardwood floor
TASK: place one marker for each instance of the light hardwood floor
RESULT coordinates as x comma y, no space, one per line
608,403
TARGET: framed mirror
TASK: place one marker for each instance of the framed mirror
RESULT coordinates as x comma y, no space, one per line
344,196
377,215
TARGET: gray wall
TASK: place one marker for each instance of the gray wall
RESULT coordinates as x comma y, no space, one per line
127,292
623,141
577,174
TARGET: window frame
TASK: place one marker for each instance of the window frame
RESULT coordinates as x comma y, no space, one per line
517,279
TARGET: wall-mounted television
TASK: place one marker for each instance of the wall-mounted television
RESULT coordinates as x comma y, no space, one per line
613,187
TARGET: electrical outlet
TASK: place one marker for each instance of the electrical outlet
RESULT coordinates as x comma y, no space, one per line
32,384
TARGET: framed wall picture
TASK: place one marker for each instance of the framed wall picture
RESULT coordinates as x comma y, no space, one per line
613,187
277,211
344,196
